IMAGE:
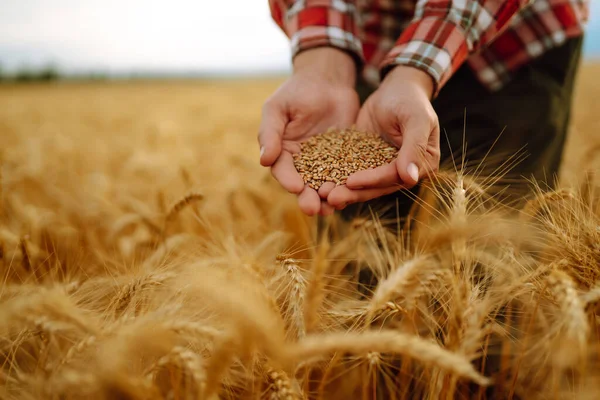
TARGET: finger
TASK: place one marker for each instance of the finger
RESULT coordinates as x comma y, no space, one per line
412,161
285,173
341,196
270,133
325,189
326,209
384,176
309,201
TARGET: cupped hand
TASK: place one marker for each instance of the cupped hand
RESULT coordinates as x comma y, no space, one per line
400,111
318,96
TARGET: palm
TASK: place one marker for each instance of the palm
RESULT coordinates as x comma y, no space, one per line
319,95
340,114
401,111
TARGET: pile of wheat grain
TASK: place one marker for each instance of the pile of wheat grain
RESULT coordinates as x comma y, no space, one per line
336,154
134,268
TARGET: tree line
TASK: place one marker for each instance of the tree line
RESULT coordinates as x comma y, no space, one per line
47,73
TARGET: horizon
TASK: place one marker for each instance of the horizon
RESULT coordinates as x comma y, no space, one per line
149,37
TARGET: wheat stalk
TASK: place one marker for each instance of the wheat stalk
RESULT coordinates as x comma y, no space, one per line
26,261
315,288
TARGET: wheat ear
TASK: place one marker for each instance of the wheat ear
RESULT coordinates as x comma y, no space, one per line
386,341
563,289
280,386
190,362
574,318
181,204
408,280
294,295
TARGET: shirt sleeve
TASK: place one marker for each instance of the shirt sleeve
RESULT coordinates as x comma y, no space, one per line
316,23
443,33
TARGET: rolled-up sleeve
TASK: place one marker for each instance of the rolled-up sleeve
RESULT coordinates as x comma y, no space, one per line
316,23
443,33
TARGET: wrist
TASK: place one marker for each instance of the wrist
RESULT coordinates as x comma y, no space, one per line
327,63
422,79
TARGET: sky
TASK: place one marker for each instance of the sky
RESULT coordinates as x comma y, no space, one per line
117,36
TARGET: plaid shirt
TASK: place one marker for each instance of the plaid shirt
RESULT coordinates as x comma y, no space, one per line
493,37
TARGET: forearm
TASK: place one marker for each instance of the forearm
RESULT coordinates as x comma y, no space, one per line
326,63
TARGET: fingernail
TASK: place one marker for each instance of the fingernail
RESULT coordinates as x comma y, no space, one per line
262,151
413,171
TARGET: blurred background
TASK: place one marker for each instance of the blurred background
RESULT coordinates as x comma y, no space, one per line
42,39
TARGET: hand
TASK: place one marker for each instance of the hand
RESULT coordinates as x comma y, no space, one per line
401,111
319,95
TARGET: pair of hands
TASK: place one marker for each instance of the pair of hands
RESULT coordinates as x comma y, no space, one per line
320,95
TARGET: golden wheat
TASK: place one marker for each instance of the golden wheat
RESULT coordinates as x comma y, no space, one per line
108,292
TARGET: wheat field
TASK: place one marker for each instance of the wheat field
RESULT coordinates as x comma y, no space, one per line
145,254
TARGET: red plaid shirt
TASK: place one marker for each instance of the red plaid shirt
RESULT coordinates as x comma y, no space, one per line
494,37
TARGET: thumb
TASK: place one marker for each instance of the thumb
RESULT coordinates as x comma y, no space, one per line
412,157
270,133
